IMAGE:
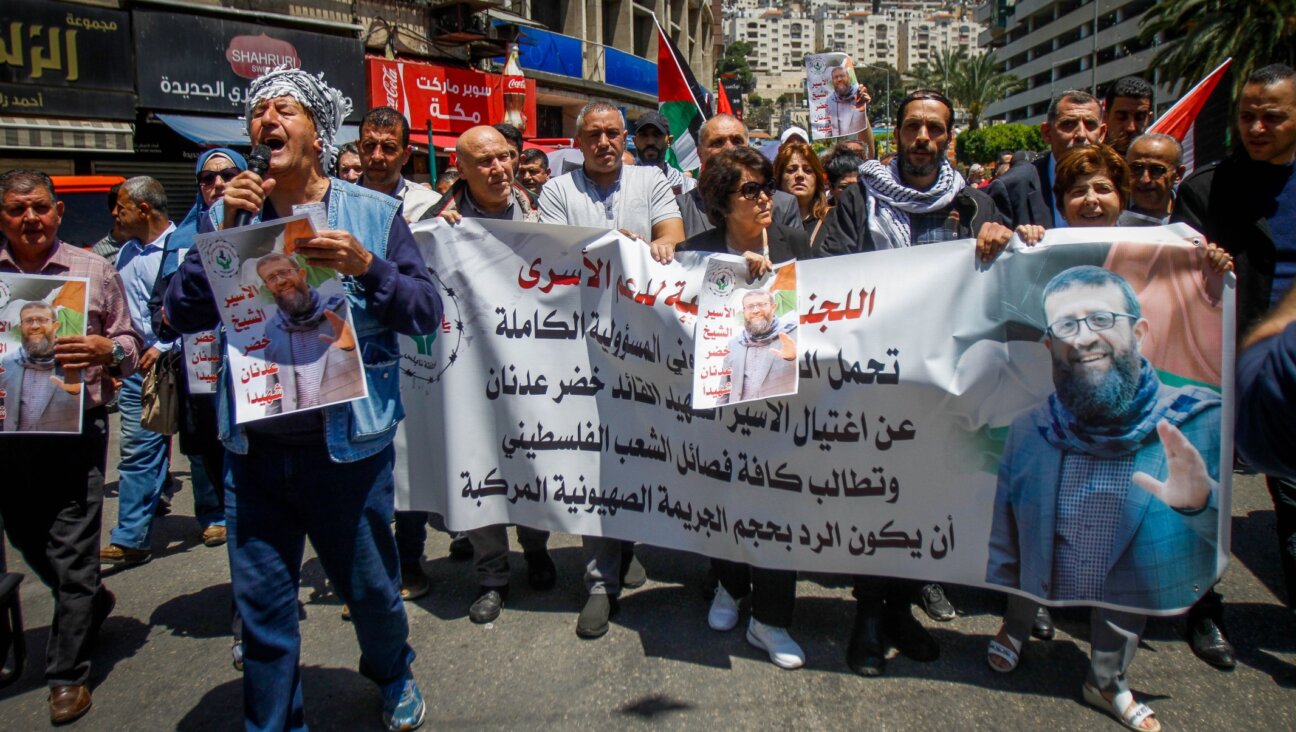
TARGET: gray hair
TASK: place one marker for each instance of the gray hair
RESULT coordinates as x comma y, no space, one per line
26,180
1075,96
143,189
595,107
1167,139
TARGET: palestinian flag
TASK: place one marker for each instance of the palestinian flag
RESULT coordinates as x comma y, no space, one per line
681,100
1200,119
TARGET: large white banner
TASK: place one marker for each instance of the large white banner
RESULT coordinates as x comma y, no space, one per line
558,395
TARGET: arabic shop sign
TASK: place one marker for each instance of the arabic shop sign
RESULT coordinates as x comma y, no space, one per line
453,99
62,59
210,71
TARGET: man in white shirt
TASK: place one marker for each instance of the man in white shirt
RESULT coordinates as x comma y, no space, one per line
637,201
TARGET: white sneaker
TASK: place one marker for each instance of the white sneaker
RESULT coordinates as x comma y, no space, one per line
783,651
724,611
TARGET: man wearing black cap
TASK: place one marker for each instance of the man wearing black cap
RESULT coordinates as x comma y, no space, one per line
651,138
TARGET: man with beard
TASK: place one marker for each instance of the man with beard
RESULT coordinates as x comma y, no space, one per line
384,150
762,359
1024,194
1107,491
55,523
533,171
652,138
1085,470
848,104
916,199
33,388
309,339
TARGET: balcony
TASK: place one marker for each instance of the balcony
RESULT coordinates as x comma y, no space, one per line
557,58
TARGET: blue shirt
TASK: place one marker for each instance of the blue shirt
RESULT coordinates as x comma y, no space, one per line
138,264
1058,221
1282,224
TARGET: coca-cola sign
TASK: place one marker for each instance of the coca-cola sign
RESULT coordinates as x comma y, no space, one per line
252,56
452,99
515,85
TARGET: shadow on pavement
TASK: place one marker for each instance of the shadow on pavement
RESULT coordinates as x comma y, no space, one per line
335,699
120,638
202,614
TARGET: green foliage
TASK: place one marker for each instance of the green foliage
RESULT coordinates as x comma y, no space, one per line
881,109
735,61
971,83
984,143
1197,35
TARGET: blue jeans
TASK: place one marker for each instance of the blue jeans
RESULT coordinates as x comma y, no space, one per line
275,498
209,498
142,470
411,536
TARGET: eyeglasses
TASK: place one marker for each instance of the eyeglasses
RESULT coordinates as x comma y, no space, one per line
1096,322
1153,170
208,177
751,190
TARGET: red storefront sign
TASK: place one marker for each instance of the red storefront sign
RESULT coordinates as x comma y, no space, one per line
453,99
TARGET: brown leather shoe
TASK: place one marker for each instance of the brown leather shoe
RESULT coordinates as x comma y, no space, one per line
124,555
213,536
68,703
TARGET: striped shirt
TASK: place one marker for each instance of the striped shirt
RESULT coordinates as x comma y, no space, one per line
109,315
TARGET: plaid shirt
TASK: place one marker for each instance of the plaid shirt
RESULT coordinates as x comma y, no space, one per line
1090,499
108,316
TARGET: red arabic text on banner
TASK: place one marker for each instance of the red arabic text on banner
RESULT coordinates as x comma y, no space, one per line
454,100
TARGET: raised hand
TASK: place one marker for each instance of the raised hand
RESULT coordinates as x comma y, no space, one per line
344,339
1188,485
785,348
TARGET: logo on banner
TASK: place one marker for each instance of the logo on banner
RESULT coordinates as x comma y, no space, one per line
423,368
253,56
226,259
722,283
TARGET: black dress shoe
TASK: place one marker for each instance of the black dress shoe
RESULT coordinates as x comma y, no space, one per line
1042,628
593,620
1207,641
488,604
866,655
68,703
541,572
908,635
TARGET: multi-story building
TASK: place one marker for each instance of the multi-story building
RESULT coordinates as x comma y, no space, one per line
1056,46
899,34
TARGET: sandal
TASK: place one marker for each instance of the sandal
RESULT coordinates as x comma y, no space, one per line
1128,712
1009,653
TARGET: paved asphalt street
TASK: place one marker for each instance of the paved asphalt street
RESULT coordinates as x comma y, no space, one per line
163,660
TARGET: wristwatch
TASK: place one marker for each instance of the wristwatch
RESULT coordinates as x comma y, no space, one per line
118,355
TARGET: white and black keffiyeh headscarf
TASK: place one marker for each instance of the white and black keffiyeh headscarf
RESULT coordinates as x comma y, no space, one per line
890,202
327,105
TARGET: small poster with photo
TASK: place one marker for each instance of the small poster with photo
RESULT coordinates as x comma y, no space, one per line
290,338
37,395
838,102
745,343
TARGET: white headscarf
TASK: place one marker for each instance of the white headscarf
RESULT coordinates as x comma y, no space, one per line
327,105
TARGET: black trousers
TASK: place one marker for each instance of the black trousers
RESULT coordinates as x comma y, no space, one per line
1283,491
773,591
52,503
875,594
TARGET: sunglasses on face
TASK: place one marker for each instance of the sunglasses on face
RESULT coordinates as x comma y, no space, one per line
208,177
1153,170
751,190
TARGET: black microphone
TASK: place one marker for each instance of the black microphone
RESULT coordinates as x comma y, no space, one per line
258,162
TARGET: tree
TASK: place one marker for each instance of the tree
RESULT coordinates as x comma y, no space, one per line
983,144
978,83
971,83
881,110
735,61
755,100
1200,34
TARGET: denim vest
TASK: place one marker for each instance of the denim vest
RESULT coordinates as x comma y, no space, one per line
358,429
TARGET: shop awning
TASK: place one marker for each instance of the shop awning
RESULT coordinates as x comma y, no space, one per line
71,135
228,131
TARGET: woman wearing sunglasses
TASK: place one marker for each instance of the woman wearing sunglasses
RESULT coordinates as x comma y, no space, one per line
737,189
